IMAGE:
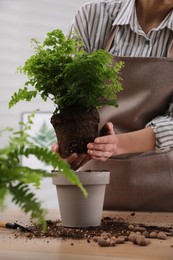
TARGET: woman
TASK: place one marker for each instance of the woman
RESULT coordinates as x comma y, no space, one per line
143,123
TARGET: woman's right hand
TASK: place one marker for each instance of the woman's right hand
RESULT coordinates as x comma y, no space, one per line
75,161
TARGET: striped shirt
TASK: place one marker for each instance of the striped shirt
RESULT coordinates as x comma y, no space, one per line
94,21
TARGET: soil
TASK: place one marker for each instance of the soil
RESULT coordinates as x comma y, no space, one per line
111,231
75,128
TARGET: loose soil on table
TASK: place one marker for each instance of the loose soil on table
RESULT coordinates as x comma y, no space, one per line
112,231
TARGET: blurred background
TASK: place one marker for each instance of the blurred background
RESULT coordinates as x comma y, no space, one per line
21,20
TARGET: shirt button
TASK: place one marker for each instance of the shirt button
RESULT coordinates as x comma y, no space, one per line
147,42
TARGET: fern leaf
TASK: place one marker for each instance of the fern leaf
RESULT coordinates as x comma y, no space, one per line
3,193
26,200
49,158
22,94
23,174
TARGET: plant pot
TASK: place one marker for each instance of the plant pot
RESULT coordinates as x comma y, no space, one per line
75,128
76,211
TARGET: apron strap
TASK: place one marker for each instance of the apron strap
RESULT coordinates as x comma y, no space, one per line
170,49
109,40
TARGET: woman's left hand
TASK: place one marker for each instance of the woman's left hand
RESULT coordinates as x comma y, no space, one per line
105,146
112,144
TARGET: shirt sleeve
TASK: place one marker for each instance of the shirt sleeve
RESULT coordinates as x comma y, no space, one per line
163,129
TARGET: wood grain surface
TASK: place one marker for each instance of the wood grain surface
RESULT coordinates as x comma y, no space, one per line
16,248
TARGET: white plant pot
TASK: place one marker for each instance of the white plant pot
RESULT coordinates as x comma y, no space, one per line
76,211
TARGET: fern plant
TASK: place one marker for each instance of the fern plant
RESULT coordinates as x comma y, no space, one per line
16,178
62,71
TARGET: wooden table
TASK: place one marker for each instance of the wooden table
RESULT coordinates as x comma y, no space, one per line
58,249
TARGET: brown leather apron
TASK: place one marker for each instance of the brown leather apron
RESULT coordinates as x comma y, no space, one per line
142,181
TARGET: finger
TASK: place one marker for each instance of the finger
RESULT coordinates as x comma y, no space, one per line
110,128
85,159
107,139
76,161
101,147
55,148
103,159
71,159
107,129
82,160
99,154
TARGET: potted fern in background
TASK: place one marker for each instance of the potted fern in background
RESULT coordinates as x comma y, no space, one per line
78,83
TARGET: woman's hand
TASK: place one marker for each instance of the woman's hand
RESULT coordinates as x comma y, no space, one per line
105,146
102,148
112,144
75,160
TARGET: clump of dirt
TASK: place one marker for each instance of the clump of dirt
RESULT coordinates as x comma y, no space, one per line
111,232
75,128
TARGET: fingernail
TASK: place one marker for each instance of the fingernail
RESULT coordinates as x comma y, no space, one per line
97,141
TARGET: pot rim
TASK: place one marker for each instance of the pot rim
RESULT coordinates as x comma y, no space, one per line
86,178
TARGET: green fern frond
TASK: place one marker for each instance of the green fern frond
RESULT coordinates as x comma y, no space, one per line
27,201
49,158
23,174
22,94
16,178
60,69
3,193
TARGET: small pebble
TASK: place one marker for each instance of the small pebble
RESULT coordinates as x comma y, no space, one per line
153,234
131,227
103,243
146,234
161,235
124,237
142,241
140,229
96,238
112,242
132,214
105,237
120,240
113,238
132,237
106,234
